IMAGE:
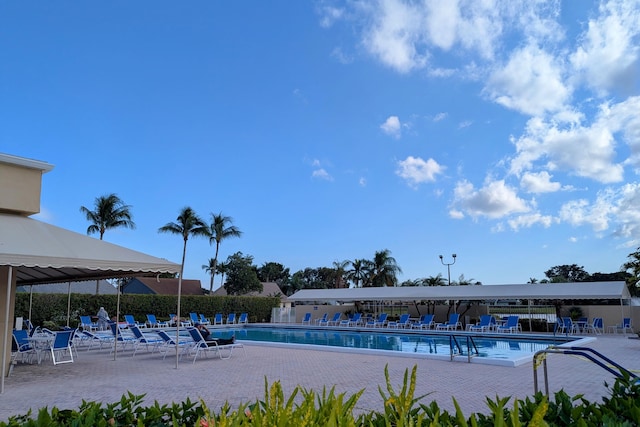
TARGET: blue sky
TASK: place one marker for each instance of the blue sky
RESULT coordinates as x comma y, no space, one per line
505,132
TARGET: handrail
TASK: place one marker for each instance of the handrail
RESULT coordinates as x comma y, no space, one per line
578,351
470,343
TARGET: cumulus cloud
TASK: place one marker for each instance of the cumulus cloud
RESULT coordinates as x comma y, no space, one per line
529,220
392,127
608,55
531,82
494,200
322,174
583,151
538,183
417,171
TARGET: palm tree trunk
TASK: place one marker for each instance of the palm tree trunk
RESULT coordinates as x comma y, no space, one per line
184,254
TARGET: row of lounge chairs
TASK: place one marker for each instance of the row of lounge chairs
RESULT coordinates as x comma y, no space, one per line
152,322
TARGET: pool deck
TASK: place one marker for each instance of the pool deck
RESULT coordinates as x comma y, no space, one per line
95,376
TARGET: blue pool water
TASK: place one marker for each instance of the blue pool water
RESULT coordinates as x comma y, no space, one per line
490,347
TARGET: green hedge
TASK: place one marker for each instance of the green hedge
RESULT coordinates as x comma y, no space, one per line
308,408
53,307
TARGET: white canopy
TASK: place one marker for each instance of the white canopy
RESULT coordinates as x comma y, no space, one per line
37,253
43,253
553,291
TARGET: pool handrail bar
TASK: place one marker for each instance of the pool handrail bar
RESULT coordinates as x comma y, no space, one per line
576,351
454,344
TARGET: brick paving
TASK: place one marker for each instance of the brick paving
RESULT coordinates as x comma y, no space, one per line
241,379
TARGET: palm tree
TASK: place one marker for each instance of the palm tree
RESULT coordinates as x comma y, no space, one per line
109,212
340,269
188,224
219,230
221,269
211,269
359,271
384,269
434,281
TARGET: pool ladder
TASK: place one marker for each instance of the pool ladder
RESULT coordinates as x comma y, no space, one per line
589,353
455,349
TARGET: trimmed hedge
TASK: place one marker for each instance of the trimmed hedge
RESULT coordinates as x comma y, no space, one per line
53,307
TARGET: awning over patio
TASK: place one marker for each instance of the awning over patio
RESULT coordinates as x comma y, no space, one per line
44,253
551,291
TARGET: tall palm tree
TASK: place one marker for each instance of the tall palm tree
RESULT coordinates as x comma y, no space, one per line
109,212
384,269
219,230
434,281
358,272
340,268
211,269
188,224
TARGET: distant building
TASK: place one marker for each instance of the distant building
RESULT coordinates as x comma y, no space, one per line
86,287
161,286
269,289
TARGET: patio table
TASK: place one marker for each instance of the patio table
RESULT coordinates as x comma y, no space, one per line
41,343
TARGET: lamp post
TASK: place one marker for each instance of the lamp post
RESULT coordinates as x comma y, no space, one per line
448,264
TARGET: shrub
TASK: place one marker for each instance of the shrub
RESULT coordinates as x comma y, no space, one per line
308,408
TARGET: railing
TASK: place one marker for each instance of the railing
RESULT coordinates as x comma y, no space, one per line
589,353
455,349
283,315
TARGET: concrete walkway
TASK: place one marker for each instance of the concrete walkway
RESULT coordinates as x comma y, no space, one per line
240,379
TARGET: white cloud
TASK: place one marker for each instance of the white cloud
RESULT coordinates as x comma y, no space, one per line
582,151
362,181
529,220
464,124
531,82
439,117
329,15
394,35
494,200
598,215
341,56
608,56
392,127
538,183
417,171
322,174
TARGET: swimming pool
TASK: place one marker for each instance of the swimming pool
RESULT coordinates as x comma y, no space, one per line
502,349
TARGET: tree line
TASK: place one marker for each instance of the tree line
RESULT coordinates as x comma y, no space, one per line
240,276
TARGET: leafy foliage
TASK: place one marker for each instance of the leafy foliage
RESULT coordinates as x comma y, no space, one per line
308,408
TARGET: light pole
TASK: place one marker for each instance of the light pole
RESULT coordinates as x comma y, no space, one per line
448,264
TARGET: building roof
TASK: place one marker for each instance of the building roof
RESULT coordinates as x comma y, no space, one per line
86,287
269,289
164,286
554,291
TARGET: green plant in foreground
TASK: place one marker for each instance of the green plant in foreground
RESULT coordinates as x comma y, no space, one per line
309,408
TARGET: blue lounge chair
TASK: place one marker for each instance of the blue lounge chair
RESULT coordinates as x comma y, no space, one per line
243,319
452,324
624,326
486,323
200,345
596,326
86,323
120,336
425,322
153,322
217,319
512,325
131,321
335,319
403,322
204,320
61,351
169,342
149,339
21,345
193,319
380,321
322,319
355,320
306,320
231,318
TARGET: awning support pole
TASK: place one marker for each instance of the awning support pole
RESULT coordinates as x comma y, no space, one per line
5,333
